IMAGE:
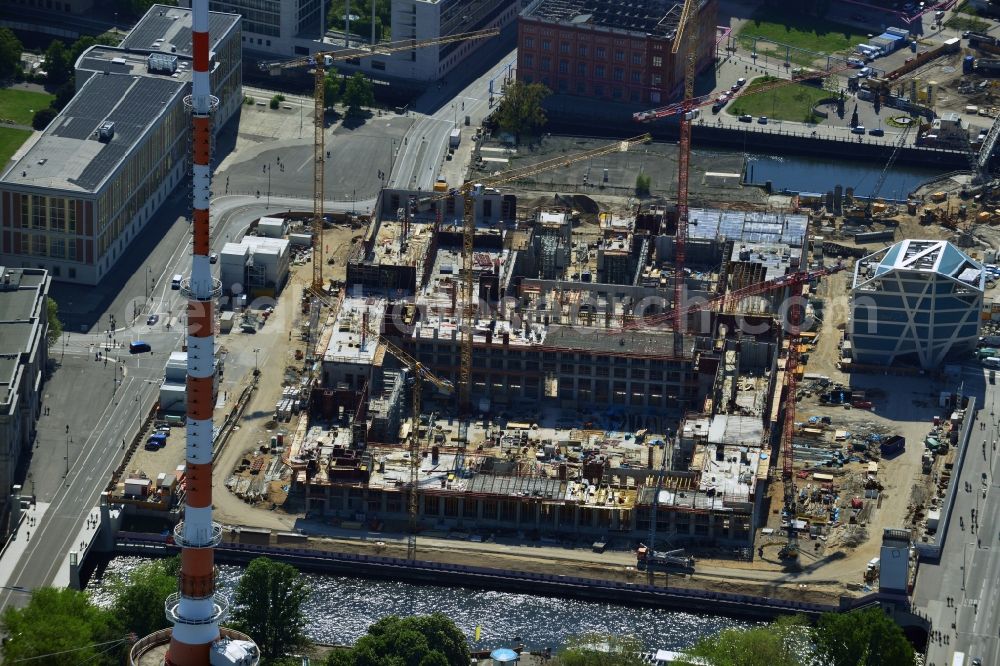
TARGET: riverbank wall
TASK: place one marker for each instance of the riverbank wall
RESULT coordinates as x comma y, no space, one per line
433,573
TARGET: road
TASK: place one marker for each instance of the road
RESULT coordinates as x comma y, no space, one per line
959,593
426,141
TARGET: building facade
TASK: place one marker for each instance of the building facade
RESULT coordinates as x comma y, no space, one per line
602,49
24,327
276,26
917,302
78,196
66,6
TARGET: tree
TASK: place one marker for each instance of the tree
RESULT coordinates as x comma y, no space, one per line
60,627
139,597
423,640
58,63
601,650
642,184
773,645
358,92
865,638
268,607
43,117
10,53
331,90
55,326
521,108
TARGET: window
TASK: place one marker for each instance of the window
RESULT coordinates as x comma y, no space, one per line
598,91
637,77
72,273
599,71
619,56
582,50
619,74
657,61
529,60
564,47
636,58
529,42
563,85
599,52
57,248
38,245
545,44
268,42
563,67
657,80
545,64
581,69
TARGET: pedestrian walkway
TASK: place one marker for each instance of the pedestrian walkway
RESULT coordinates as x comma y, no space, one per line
17,543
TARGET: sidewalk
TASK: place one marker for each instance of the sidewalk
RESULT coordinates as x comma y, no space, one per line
10,556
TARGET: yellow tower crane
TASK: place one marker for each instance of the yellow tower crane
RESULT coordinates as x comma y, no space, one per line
420,373
470,191
320,61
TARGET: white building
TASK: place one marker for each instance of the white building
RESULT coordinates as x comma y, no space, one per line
257,264
917,302
173,388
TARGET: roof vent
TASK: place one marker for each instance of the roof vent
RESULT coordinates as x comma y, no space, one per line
106,131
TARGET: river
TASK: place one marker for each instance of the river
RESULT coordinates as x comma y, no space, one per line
804,174
341,608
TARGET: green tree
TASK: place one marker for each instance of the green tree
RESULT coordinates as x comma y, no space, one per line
521,109
60,627
139,597
865,638
776,644
331,90
55,326
424,640
642,184
10,53
58,63
358,92
268,607
600,650
43,117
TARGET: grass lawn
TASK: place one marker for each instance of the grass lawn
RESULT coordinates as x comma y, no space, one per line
10,141
793,101
20,105
804,32
967,23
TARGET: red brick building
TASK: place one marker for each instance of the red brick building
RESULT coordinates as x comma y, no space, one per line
616,50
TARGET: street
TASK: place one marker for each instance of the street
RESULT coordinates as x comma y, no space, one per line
958,594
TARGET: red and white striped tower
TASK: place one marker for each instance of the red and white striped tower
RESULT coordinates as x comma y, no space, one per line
195,610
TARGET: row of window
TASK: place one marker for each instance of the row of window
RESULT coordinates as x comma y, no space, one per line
48,214
54,247
582,69
598,52
599,91
47,4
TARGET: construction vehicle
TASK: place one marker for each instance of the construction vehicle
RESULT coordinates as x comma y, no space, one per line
319,62
469,192
647,558
419,373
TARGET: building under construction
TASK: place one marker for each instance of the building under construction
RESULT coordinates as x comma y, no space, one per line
619,415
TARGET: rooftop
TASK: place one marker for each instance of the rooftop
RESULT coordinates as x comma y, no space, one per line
70,154
649,17
347,344
925,256
747,226
22,305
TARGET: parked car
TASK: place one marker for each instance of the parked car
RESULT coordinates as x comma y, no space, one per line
762,120
740,82
152,319
865,72
878,131
746,118
860,129
212,258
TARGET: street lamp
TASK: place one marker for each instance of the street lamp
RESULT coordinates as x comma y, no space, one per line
256,370
68,440
149,271
267,206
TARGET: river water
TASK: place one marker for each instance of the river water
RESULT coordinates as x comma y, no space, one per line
341,608
803,174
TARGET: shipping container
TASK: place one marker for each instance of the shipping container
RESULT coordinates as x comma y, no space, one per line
893,445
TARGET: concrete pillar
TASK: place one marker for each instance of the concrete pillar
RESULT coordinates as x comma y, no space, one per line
479,509
105,538
74,570
517,514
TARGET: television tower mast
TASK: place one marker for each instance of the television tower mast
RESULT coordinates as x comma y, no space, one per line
195,610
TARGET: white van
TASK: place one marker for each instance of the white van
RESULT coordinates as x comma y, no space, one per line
176,282
991,362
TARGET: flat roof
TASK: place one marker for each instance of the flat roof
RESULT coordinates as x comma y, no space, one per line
68,155
649,17
345,344
21,307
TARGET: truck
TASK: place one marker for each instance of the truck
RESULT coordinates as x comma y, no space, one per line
454,138
892,445
958,659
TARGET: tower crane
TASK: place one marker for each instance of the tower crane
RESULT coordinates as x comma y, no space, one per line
470,190
688,111
420,374
319,62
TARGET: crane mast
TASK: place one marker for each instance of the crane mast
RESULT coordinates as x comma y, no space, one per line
684,160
